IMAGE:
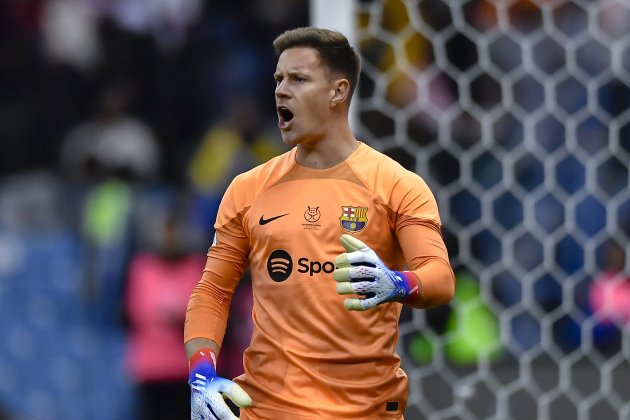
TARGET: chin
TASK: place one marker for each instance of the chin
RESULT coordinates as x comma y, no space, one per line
290,139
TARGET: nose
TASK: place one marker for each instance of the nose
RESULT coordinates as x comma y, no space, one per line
281,90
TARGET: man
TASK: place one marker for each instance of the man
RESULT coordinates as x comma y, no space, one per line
314,355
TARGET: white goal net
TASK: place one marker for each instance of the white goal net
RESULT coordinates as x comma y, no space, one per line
517,114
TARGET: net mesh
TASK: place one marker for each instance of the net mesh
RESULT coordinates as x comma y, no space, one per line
517,115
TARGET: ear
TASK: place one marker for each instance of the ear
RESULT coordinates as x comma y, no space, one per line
341,89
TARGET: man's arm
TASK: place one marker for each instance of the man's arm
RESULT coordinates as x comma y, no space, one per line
196,344
209,304
427,258
206,321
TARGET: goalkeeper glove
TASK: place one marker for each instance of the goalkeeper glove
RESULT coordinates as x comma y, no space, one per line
208,389
360,271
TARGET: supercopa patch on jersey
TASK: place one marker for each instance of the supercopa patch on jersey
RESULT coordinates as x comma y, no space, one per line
353,219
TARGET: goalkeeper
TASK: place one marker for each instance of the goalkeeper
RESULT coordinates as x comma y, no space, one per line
338,237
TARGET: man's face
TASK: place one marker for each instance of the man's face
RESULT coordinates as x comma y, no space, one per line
304,89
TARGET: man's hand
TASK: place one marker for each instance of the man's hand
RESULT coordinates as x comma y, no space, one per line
208,389
361,272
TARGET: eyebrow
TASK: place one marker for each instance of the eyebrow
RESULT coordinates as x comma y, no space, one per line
291,73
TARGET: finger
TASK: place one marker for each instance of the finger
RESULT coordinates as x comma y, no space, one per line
354,273
341,274
239,396
354,304
342,261
361,258
234,392
357,258
345,288
198,408
218,408
357,288
350,243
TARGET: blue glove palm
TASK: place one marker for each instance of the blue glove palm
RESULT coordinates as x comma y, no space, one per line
361,272
208,390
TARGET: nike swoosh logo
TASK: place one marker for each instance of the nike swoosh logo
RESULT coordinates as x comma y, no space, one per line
264,221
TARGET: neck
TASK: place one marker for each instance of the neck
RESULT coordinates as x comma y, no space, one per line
328,151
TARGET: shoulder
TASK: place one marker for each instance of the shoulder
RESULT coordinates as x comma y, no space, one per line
246,186
377,169
266,174
399,189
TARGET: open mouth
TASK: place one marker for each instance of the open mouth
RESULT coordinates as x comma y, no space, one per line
285,116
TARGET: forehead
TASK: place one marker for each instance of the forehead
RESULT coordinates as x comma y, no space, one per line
299,59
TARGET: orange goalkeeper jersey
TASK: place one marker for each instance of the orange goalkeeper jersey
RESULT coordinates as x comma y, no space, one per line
309,357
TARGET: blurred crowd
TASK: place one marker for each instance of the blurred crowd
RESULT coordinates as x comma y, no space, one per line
121,124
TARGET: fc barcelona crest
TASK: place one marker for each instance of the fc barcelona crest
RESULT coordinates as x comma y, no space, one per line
353,219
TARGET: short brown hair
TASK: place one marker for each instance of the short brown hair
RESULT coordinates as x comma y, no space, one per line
333,48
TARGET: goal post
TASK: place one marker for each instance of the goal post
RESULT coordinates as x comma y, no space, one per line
339,16
517,114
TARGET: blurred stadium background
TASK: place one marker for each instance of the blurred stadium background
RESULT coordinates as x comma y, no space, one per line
122,121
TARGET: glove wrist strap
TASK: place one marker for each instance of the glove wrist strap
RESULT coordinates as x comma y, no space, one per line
203,356
412,285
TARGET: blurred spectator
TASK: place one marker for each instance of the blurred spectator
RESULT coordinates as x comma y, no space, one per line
610,291
166,20
106,234
111,141
238,141
70,33
99,91
109,156
159,285
609,299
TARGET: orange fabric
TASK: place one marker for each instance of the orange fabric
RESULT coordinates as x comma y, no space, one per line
426,256
309,357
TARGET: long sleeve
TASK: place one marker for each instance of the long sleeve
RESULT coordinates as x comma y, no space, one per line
426,256
209,304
